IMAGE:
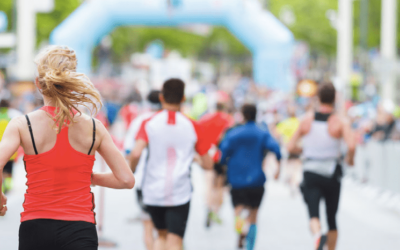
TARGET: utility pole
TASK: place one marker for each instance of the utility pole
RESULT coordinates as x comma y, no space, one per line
26,35
388,47
344,45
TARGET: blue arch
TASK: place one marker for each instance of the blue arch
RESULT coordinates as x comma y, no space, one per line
266,37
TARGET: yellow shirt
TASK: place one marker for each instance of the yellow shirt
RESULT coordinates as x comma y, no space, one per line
4,120
287,128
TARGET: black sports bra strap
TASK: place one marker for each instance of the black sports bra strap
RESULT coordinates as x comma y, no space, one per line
30,131
94,136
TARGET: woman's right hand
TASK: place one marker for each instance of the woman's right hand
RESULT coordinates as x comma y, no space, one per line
3,207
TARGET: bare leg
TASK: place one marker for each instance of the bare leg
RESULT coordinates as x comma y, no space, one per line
294,168
332,239
160,243
148,234
238,210
219,192
319,239
174,242
252,219
315,226
209,178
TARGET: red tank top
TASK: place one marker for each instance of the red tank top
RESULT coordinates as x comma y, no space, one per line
59,181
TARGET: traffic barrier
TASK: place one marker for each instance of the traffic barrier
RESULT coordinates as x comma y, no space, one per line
378,164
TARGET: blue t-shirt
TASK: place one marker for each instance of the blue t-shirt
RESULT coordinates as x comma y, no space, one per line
243,151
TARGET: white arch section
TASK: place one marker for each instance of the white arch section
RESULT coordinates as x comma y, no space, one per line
269,41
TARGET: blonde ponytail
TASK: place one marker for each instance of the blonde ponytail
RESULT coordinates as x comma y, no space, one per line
68,89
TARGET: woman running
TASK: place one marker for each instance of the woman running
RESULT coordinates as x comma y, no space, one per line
59,143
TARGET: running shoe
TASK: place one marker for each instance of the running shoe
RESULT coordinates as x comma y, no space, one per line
215,218
320,243
212,217
239,224
208,220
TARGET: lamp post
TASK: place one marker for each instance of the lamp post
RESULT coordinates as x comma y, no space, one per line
388,47
344,45
26,34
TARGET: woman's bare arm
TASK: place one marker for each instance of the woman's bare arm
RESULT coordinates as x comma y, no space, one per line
121,176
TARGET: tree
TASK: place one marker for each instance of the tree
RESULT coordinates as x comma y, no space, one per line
7,7
47,22
313,27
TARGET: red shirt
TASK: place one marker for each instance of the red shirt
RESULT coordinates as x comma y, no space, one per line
215,126
59,183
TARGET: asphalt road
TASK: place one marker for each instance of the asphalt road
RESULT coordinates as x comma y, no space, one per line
364,224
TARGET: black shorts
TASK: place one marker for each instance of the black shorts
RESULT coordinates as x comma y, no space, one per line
249,197
8,168
46,234
293,156
173,219
139,196
314,188
219,169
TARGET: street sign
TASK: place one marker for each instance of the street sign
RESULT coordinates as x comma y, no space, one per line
3,21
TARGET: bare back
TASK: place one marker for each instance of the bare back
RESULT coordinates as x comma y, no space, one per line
337,128
80,133
335,125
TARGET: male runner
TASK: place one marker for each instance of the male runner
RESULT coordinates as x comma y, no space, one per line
129,144
172,140
216,125
321,134
243,150
6,114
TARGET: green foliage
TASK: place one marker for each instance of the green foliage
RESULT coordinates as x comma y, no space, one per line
46,22
7,7
222,39
374,22
127,40
312,25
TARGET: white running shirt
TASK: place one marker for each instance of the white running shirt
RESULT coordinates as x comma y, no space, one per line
172,141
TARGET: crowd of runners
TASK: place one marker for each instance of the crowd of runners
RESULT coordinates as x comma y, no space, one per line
230,142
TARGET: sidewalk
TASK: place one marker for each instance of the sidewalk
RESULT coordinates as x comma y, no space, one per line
283,221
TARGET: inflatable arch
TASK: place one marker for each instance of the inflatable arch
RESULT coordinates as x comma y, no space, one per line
269,41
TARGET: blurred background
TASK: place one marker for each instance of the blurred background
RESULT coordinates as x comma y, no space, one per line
269,52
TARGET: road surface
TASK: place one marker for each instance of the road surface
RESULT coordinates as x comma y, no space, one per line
364,224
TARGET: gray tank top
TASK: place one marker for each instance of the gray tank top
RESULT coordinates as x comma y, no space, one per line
321,152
